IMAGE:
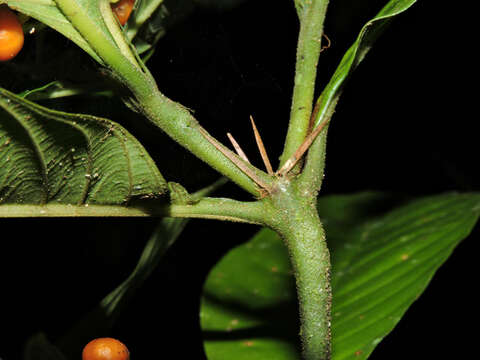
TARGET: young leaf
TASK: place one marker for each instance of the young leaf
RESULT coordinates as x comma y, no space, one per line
354,56
381,264
58,89
54,157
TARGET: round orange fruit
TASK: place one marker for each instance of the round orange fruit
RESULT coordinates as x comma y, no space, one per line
105,349
122,9
11,34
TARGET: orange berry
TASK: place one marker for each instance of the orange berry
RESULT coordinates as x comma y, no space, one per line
11,34
105,349
122,10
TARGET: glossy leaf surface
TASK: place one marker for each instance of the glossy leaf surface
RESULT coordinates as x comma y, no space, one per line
54,157
382,260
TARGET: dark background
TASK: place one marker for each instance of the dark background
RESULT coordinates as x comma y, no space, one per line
405,124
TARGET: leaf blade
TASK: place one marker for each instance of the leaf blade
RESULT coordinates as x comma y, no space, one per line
51,157
381,264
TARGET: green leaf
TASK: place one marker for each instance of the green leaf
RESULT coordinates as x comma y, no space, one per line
47,12
52,157
381,260
58,89
39,348
248,303
42,89
354,56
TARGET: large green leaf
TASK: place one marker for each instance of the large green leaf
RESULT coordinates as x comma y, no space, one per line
381,264
355,54
49,156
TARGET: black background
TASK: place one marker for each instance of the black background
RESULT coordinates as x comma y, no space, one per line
405,124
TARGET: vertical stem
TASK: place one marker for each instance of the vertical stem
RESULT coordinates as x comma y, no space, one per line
311,17
312,175
311,263
296,220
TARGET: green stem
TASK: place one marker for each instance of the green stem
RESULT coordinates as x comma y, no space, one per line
311,263
311,179
117,33
170,116
308,51
295,218
91,25
182,127
207,208
221,209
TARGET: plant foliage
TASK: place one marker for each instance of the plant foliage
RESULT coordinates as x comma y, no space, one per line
381,264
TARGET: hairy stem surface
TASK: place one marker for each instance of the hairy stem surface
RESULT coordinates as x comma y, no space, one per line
206,208
181,126
296,219
311,17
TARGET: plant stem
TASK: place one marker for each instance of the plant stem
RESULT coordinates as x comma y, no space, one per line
182,127
220,209
308,51
295,218
311,263
206,208
310,181
170,116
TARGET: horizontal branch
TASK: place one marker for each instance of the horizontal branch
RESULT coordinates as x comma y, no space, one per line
207,208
